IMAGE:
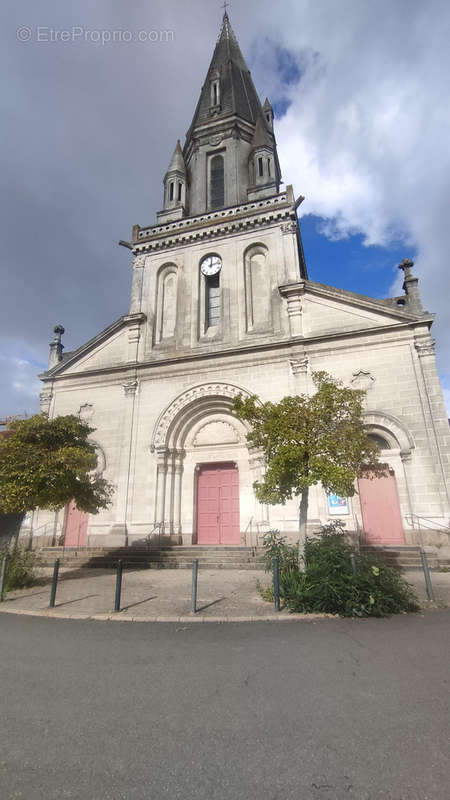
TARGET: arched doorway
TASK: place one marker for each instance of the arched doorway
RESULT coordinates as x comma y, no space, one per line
204,469
378,496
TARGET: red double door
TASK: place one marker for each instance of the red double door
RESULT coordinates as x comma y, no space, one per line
380,509
76,526
218,504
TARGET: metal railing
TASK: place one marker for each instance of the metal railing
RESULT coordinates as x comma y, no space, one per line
419,522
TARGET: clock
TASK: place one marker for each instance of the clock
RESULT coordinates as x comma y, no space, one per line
211,265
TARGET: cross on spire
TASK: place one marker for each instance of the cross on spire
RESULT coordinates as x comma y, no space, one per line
406,265
225,6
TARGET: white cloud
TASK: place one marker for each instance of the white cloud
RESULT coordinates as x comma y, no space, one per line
365,138
20,385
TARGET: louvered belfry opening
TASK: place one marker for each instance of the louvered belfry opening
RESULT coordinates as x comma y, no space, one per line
217,188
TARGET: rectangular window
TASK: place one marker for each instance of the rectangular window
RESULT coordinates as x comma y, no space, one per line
268,167
179,191
212,297
171,190
260,167
217,183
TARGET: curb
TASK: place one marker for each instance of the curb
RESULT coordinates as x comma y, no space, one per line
116,617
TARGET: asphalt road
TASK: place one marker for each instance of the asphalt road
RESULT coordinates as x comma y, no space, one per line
264,711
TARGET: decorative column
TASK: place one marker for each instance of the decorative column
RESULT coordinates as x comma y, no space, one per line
123,483
134,322
161,473
168,502
289,232
137,284
46,397
436,418
293,293
178,477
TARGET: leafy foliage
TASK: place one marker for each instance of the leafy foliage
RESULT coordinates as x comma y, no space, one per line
327,584
275,545
307,440
46,463
20,567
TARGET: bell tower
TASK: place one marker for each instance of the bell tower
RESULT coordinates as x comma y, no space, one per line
221,267
229,133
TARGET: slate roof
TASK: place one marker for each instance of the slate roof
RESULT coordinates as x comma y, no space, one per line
237,91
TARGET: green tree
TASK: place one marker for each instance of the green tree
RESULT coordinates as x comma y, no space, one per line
46,463
307,440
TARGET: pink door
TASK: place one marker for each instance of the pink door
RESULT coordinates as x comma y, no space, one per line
218,505
380,510
76,526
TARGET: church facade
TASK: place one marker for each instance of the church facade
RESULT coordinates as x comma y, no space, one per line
222,304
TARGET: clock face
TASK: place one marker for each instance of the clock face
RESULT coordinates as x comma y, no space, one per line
211,265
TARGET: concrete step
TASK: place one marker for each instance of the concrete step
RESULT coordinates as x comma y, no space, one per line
212,557
406,557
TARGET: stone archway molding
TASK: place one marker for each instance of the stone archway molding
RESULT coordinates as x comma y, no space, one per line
391,427
175,410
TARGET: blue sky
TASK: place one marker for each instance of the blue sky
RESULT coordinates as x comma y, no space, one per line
88,131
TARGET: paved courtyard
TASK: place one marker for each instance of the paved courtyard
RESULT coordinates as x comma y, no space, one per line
166,594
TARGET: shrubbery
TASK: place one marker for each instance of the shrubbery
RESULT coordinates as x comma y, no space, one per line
20,567
327,584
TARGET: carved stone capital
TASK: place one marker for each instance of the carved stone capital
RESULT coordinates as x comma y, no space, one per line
139,262
289,227
130,388
425,347
299,366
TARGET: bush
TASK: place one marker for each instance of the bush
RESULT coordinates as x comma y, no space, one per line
327,584
275,545
19,567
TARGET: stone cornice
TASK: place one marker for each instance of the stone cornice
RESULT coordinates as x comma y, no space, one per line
232,352
223,222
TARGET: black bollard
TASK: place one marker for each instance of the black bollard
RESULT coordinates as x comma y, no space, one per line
426,572
276,583
54,584
194,585
353,564
118,586
2,578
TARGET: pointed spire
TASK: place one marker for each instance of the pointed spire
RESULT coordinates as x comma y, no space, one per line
237,91
261,137
177,163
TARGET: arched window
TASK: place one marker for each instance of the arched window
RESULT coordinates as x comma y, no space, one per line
166,303
382,443
257,279
212,300
217,186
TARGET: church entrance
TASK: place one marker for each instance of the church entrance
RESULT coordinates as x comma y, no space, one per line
218,504
380,509
75,532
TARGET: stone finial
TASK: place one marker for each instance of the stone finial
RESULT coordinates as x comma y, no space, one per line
56,347
413,302
406,265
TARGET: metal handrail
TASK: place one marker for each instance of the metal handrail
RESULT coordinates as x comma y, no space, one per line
433,524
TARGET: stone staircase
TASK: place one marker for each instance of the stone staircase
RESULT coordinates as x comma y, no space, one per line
175,557
405,556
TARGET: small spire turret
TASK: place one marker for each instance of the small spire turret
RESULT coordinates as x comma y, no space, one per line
413,302
56,347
